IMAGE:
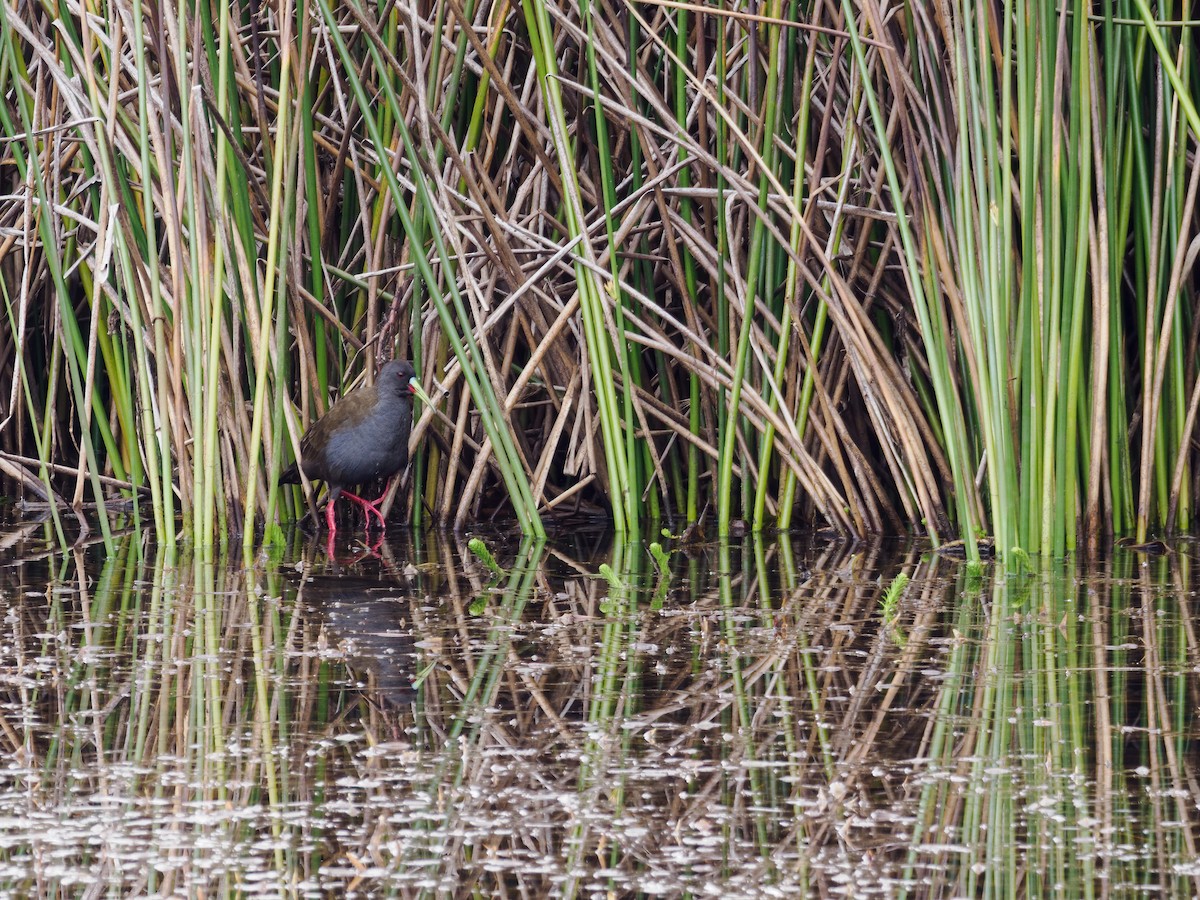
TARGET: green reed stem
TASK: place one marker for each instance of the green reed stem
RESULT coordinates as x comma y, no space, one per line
591,291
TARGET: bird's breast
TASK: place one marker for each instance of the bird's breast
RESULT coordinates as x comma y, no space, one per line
375,448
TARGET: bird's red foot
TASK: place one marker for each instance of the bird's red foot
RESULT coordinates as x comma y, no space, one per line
369,508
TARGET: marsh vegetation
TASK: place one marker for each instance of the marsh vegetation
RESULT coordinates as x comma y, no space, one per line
870,268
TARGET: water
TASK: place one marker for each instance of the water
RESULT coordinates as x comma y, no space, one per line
758,721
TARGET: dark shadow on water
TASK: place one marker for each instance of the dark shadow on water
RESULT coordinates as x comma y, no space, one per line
371,621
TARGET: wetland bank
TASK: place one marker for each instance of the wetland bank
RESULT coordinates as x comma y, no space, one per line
762,718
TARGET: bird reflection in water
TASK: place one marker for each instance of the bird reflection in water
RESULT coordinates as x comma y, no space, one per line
370,623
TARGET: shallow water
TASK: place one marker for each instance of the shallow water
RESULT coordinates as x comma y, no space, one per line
758,721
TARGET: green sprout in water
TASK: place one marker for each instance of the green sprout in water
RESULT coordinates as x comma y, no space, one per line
613,579
661,557
891,599
480,549
1021,563
890,607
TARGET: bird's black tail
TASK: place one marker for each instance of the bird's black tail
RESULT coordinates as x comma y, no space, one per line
290,475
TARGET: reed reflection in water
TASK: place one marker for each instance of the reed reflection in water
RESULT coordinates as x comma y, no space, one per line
752,720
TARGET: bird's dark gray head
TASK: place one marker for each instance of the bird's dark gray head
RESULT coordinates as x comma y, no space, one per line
398,377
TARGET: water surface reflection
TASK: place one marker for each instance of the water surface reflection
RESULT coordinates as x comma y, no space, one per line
757,719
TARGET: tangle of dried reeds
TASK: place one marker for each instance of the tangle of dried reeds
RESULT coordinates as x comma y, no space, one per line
852,265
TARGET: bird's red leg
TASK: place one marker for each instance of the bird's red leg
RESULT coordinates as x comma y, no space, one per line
386,488
374,504
333,529
330,521
368,508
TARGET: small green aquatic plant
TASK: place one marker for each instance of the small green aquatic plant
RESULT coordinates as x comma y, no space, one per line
613,579
1020,564
889,607
661,557
891,598
480,549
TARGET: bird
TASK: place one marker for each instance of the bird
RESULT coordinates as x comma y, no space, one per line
363,437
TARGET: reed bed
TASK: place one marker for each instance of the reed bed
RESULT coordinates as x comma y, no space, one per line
867,267
755,716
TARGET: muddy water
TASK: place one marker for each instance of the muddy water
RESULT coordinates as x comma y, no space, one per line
760,719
